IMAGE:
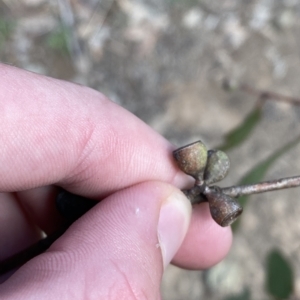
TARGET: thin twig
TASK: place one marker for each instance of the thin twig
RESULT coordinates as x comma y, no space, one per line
266,95
68,20
78,54
197,193
106,15
261,187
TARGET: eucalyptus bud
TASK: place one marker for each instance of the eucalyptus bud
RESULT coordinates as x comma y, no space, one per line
217,166
191,159
224,209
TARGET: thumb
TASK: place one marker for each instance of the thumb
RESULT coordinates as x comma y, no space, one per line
118,250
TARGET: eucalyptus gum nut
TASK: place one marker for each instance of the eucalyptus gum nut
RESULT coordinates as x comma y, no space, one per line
191,159
224,209
217,166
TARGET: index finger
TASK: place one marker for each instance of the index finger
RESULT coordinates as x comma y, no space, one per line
58,132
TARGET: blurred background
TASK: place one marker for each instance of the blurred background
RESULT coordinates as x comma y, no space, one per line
166,61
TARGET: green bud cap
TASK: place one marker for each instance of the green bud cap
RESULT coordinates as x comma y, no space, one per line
217,166
191,159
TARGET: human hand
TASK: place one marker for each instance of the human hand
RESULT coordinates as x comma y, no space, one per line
55,133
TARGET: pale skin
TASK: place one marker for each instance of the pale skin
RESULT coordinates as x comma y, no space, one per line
54,133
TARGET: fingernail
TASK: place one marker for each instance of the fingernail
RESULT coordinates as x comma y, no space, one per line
174,220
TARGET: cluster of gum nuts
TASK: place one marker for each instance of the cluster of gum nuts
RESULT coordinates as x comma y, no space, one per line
208,167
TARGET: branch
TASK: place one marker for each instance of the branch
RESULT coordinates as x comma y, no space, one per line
266,95
197,194
261,187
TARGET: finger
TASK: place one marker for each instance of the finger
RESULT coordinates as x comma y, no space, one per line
118,249
24,218
39,203
59,132
19,234
203,231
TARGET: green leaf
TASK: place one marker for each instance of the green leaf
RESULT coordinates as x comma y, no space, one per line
259,171
6,29
241,133
58,40
280,281
245,295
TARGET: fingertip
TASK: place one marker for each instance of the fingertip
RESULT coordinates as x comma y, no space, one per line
173,224
205,244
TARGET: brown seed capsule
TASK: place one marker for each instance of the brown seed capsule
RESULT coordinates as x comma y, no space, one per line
191,159
217,166
224,209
